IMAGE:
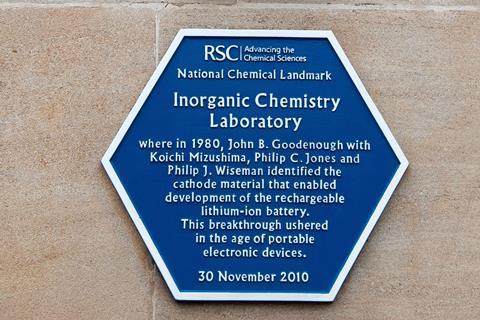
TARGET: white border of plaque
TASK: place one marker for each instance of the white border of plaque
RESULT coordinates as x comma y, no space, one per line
253,296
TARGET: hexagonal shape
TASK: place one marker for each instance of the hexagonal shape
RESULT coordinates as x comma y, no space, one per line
254,165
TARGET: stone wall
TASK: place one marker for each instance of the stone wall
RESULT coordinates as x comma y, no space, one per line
71,71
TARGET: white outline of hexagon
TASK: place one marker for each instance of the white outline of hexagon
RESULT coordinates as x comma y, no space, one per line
253,296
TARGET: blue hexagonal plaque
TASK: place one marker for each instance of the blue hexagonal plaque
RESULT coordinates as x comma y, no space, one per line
254,165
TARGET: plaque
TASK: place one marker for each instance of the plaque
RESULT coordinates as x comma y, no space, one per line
254,165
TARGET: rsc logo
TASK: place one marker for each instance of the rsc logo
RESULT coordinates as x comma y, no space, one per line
222,53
